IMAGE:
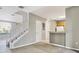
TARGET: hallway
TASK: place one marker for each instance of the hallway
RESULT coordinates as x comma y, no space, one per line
34,48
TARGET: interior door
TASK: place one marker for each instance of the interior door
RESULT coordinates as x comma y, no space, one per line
38,31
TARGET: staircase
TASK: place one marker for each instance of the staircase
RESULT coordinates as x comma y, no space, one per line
12,41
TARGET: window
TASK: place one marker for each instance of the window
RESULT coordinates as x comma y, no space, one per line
5,27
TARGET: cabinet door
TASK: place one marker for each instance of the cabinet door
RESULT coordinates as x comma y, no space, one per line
57,38
60,39
52,38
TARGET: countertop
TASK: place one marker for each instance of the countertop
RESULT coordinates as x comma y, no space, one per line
58,32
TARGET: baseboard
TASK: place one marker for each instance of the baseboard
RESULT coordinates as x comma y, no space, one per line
23,45
72,48
57,45
47,43
63,46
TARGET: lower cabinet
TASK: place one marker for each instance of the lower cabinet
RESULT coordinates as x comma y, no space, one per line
57,38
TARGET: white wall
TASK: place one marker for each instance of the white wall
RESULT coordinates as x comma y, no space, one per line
72,35
52,25
68,28
30,37
17,28
9,18
43,20
47,29
6,14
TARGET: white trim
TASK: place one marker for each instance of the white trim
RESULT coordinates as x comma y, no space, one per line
72,48
47,43
56,44
63,46
23,45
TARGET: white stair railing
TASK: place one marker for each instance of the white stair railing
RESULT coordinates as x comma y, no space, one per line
15,39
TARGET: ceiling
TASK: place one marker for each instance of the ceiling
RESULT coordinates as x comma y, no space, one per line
51,12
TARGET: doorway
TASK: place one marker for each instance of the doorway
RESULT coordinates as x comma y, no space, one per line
38,31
